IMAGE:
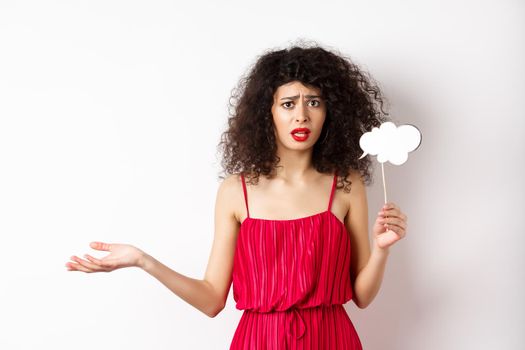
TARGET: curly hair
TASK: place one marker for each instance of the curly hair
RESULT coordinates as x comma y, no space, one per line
354,105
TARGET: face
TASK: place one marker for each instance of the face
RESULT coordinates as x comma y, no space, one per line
297,106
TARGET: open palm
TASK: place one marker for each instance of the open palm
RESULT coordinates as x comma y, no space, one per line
121,255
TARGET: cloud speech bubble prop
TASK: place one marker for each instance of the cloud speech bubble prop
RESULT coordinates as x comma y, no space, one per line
390,144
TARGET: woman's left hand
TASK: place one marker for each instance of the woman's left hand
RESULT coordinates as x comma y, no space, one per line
390,226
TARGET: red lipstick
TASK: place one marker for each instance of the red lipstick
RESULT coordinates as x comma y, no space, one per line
300,134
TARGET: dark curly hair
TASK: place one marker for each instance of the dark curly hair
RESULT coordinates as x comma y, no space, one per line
353,106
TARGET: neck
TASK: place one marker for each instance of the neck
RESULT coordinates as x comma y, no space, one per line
295,166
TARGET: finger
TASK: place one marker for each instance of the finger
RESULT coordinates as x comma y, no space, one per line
87,264
100,246
397,229
391,213
394,221
79,267
94,260
387,214
105,262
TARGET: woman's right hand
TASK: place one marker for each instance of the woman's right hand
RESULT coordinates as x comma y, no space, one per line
122,255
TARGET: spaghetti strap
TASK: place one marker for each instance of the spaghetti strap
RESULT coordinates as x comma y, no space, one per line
245,195
332,192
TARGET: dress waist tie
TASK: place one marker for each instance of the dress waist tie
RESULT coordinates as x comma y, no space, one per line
295,322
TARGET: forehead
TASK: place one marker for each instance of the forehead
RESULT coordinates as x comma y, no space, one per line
296,87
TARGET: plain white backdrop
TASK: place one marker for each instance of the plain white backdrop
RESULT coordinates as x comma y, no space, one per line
111,112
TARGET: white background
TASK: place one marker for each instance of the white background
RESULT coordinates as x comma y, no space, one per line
111,112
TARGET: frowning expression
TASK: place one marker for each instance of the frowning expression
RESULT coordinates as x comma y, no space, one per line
297,106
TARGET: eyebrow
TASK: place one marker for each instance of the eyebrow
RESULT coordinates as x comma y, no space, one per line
297,96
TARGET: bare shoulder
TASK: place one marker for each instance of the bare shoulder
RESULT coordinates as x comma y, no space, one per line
356,202
230,194
357,189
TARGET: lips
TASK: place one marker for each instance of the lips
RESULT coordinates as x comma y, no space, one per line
300,134
300,130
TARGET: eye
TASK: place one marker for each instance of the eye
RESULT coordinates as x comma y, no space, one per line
287,104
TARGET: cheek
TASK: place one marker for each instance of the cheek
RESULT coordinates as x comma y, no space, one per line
279,123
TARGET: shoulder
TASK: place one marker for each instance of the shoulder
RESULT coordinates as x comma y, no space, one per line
229,194
231,180
357,189
230,186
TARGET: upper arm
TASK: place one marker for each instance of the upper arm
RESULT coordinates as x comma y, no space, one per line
356,222
220,264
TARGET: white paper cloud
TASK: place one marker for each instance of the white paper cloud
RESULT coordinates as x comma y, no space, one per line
390,143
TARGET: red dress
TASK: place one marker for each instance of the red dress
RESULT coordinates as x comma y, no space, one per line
291,278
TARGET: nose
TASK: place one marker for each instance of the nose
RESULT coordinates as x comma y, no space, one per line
302,111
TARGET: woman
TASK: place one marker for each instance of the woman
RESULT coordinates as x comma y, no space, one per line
294,242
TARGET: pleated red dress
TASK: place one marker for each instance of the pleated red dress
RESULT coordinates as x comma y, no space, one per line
291,278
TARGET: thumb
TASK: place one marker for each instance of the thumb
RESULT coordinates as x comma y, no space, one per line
100,246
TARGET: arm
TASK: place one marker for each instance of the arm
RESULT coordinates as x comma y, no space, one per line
198,293
209,294
367,268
